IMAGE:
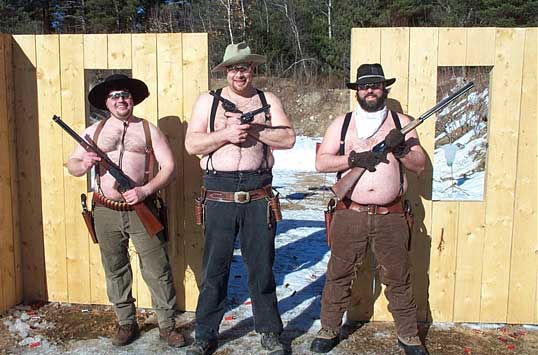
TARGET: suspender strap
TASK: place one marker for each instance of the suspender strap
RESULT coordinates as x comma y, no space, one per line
213,113
267,118
96,134
343,132
149,165
398,126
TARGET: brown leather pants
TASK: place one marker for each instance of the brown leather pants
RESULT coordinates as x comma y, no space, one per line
352,233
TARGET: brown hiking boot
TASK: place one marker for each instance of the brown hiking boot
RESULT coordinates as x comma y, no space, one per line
174,338
125,334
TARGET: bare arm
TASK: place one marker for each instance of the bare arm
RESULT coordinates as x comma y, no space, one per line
166,173
327,158
280,134
199,141
81,161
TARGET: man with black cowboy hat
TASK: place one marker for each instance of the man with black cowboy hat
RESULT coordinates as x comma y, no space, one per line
134,145
372,213
237,197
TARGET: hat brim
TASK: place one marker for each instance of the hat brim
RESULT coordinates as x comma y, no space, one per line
240,59
98,94
388,82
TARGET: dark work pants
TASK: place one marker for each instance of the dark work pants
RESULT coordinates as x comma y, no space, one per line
223,221
351,233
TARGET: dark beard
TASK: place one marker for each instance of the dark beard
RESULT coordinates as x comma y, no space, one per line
375,106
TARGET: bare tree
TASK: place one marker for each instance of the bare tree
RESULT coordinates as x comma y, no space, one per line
228,6
290,16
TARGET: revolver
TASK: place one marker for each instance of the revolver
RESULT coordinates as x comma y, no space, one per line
246,117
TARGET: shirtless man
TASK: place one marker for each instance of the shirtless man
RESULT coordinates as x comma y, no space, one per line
371,214
237,196
133,144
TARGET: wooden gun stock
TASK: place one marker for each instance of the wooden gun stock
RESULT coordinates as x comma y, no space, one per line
148,219
346,183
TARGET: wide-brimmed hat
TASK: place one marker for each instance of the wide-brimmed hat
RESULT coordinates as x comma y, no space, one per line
137,88
370,74
237,54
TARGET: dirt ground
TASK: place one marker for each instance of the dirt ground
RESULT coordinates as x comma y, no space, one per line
61,325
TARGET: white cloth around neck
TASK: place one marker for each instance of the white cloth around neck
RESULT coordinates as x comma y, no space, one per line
368,123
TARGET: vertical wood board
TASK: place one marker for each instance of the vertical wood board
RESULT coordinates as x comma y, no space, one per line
501,167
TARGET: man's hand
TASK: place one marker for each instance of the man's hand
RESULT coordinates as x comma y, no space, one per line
135,195
89,159
236,132
395,142
367,160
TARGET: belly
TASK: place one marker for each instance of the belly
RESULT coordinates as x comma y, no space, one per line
379,187
234,158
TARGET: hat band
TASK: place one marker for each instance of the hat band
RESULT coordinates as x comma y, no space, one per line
371,76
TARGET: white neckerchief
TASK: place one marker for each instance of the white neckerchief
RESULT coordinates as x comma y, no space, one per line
367,123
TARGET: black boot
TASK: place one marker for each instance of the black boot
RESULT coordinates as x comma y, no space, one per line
202,347
271,343
412,345
324,341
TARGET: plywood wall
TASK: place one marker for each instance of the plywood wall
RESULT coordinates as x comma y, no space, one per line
56,260
472,261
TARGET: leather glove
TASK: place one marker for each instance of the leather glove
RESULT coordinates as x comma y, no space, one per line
367,160
395,143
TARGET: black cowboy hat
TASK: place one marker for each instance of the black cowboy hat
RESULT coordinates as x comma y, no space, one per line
370,74
98,94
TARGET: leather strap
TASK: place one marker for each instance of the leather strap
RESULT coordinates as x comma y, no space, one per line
238,196
150,156
394,207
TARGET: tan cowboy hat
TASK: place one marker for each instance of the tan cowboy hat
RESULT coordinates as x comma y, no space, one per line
99,92
238,54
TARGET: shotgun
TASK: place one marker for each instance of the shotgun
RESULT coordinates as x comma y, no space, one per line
346,183
125,183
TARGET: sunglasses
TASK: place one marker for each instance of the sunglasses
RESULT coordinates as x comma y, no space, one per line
373,86
241,68
117,95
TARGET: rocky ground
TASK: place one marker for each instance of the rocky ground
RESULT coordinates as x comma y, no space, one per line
84,329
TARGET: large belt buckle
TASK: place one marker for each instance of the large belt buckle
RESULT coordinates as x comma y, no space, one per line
372,209
241,197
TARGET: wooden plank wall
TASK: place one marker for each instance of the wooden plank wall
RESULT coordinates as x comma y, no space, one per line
10,253
58,261
472,261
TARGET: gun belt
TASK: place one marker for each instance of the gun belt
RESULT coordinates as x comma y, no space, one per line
393,207
103,201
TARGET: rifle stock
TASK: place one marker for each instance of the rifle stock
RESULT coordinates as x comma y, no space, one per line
346,183
147,218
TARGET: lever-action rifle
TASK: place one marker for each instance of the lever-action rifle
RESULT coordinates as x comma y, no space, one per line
231,107
125,183
346,183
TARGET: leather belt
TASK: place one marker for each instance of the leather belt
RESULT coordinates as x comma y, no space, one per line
393,207
101,200
238,196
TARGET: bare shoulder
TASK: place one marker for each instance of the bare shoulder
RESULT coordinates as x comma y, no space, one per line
404,119
272,98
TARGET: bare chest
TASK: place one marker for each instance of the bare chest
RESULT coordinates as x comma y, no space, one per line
254,103
115,139
359,145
